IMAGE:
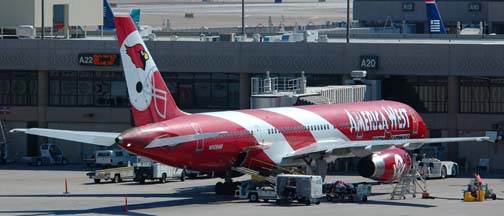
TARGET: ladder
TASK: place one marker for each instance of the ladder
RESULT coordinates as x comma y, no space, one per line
408,184
3,142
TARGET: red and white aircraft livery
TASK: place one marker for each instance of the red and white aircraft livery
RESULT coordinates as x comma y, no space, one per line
379,132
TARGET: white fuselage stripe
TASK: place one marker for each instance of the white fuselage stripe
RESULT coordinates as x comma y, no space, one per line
308,118
278,146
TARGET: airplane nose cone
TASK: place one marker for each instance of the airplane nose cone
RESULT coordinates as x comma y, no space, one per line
137,138
130,137
119,140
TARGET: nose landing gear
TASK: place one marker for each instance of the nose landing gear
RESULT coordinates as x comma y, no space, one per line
226,188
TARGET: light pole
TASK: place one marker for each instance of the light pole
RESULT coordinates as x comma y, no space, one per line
243,17
43,16
348,21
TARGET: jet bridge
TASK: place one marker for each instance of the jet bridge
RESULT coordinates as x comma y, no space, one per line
291,91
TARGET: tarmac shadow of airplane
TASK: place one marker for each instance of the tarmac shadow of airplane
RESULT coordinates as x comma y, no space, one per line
184,196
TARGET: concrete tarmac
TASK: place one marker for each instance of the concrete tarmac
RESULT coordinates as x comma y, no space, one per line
28,190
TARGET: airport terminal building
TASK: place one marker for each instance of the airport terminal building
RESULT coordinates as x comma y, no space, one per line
455,13
457,86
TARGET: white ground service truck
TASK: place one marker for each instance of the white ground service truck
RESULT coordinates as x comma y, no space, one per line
435,168
248,190
49,154
149,170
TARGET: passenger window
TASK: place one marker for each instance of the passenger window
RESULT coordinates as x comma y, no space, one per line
119,154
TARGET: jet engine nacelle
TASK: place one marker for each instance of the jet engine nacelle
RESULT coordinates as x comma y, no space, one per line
386,166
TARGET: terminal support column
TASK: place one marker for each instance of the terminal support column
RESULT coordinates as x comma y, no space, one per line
244,91
453,111
43,98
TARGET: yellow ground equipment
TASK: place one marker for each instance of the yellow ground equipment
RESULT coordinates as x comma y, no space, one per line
477,191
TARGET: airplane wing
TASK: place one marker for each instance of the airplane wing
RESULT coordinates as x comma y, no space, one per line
363,148
90,137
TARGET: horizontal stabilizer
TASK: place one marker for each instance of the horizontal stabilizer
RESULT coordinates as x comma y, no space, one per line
89,137
174,141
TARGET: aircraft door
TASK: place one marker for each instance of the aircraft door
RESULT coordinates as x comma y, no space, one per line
200,144
414,123
258,134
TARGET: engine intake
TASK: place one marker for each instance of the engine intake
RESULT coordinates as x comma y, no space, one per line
385,166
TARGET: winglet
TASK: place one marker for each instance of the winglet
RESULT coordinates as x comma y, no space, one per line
18,130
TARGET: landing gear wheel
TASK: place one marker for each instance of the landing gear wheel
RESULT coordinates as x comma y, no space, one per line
229,188
219,188
97,181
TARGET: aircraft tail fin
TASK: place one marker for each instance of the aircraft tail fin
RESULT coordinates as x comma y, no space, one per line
434,21
108,16
135,15
150,98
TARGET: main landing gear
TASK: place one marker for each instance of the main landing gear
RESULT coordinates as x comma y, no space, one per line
228,187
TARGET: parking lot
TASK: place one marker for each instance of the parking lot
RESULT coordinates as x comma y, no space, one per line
28,190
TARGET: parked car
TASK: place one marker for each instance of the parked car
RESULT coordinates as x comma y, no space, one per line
113,158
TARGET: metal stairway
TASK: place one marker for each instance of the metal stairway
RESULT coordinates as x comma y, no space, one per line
254,173
408,184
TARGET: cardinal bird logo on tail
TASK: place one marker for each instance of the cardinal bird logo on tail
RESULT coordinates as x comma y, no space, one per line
138,55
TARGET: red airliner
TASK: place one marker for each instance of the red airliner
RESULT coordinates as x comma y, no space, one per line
378,132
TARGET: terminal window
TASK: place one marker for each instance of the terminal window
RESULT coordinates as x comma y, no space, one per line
423,93
88,89
19,88
204,90
481,95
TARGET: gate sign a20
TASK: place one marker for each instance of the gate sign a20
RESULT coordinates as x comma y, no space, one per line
369,62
